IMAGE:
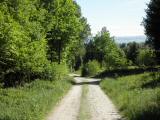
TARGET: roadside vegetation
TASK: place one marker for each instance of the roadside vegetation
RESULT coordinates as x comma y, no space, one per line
39,44
91,68
32,101
136,96
41,41
39,38
130,71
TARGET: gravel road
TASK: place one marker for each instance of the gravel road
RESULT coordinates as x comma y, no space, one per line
100,106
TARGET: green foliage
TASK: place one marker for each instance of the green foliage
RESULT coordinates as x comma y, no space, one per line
55,71
33,101
59,71
151,24
68,32
137,96
131,50
34,34
91,68
145,57
104,49
24,46
113,55
139,54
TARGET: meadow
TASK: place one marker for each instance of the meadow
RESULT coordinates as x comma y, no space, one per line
136,96
32,101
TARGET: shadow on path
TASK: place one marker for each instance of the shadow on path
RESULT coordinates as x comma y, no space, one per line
86,83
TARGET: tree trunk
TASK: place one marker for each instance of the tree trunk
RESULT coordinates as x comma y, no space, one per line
59,52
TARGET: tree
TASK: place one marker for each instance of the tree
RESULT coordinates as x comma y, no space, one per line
152,26
91,53
131,51
145,57
65,30
77,50
104,49
34,34
23,41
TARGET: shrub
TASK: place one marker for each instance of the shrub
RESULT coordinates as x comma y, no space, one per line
55,71
91,68
145,57
59,71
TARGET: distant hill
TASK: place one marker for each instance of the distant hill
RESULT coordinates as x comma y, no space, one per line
128,39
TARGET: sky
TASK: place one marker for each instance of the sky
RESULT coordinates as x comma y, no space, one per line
121,17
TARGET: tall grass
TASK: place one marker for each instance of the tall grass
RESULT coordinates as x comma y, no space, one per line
136,96
33,101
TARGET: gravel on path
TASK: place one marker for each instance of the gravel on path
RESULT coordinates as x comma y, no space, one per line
99,105
68,109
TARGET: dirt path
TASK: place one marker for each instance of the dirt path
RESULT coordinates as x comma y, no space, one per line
99,106
68,108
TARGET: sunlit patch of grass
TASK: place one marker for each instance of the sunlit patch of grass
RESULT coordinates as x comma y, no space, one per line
33,101
84,113
134,100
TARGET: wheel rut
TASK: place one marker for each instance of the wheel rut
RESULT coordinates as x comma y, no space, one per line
85,101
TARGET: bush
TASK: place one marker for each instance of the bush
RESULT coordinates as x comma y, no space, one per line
55,71
145,57
91,68
59,71
50,71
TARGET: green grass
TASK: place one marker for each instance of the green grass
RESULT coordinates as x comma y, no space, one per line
33,101
136,96
78,72
84,113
